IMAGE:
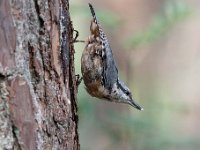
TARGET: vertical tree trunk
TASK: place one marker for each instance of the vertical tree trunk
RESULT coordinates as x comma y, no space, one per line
37,81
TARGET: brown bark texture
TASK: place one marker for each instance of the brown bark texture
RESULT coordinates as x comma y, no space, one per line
37,82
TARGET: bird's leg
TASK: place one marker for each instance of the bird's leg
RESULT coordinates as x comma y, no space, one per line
78,80
76,36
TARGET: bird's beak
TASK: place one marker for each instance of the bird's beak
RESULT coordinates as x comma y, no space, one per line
134,104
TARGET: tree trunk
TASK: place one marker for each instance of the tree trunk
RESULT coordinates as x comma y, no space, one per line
37,82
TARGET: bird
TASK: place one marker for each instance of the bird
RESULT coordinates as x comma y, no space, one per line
98,67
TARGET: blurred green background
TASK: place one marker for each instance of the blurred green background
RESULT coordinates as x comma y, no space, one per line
156,44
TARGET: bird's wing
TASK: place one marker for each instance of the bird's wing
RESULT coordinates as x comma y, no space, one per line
110,72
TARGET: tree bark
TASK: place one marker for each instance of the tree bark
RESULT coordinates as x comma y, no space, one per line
37,81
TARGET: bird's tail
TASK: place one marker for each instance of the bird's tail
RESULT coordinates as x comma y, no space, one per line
93,12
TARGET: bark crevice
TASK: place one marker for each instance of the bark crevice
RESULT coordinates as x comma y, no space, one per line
39,78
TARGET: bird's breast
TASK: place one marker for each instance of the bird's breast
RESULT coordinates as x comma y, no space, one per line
92,68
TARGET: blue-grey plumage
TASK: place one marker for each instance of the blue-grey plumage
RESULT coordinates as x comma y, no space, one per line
99,70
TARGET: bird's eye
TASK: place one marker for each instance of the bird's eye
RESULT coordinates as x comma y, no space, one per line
127,93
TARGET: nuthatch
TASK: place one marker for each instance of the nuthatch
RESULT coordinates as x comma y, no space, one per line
99,70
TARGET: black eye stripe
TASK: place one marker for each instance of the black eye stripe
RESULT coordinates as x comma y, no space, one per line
121,87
